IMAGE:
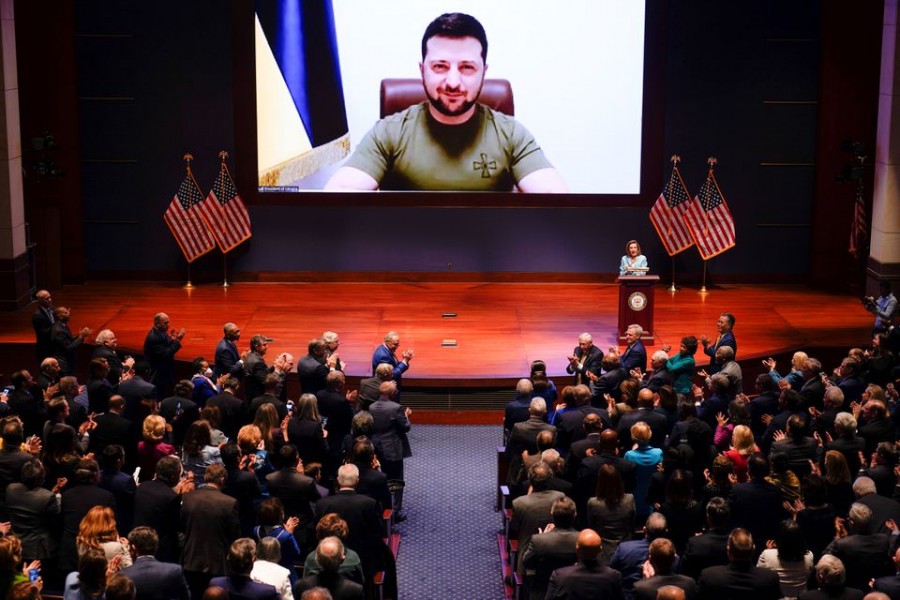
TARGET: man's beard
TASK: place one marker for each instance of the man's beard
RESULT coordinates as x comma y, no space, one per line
445,110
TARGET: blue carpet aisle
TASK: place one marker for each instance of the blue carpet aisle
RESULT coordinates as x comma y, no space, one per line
448,548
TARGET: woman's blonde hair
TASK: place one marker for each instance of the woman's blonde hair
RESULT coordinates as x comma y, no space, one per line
248,439
97,526
266,420
742,440
640,433
154,429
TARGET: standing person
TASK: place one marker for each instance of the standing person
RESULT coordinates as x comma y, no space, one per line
42,321
635,354
228,359
724,325
158,505
153,579
588,578
63,343
633,263
238,584
314,367
386,353
389,436
210,523
106,345
160,347
255,367
884,307
586,358
433,145
646,458
682,365
332,342
739,579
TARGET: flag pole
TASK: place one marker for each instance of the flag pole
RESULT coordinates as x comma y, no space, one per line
703,286
225,283
187,159
674,160
712,162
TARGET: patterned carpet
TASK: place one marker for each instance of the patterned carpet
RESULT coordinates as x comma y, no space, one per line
448,547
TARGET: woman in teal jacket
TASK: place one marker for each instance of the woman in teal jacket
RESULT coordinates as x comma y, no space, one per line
681,366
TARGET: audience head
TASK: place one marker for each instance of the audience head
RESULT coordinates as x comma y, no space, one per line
863,486
539,476
610,487
120,587
742,439
271,512
12,432
33,474
248,438
830,573
670,592
269,550
656,526
97,526
26,590
609,441
545,440
316,593
524,388
641,433
740,546
215,475
348,476
87,471
592,423
332,524
215,592
718,513
385,372
330,554
241,555
112,457
362,423
689,345
387,389
563,513
860,518
757,466
791,541
92,571
588,546
169,470
143,541
662,555
538,407
197,437
10,555
834,396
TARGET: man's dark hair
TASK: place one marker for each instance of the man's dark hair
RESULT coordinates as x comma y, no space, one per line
765,383
362,453
230,455
545,440
740,545
197,363
256,341
215,474
592,423
87,471
241,555
120,587
563,512
662,555
730,318
142,369
288,455
144,540
540,475
757,465
718,513
111,454
18,379
168,470
456,25
33,474
12,434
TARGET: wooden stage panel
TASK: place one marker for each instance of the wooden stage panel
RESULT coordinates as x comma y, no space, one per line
500,327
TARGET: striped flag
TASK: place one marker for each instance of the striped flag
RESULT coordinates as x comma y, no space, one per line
225,213
667,215
709,219
185,223
859,230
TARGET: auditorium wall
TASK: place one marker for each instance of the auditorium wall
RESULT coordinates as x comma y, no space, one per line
742,82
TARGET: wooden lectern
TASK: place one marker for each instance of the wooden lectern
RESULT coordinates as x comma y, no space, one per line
636,304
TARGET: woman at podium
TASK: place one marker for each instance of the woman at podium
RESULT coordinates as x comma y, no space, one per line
633,263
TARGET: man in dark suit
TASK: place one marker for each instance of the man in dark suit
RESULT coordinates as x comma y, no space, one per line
49,373
272,386
658,376
584,359
119,484
875,426
812,391
724,325
160,347
76,502
630,555
578,451
552,548
609,381
158,505
570,422
295,490
65,345
238,584
153,579
332,343
362,517
210,523
757,504
313,368
255,367
739,579
882,507
228,357
386,353
26,401
658,423
179,410
231,408
865,554
42,321
330,555
765,403
586,479
516,410
368,387
136,389
708,549
106,349
335,406
890,584
113,428
532,511
586,579
524,434
391,424
635,355
12,459
662,559
241,485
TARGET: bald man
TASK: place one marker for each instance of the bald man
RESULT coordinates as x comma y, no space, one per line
670,592
587,579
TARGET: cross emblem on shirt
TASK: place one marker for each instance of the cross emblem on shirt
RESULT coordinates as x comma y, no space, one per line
484,166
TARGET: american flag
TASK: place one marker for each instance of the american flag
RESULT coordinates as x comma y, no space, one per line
225,213
709,220
859,230
667,215
185,223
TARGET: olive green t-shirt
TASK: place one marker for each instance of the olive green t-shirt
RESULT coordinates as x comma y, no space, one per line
410,150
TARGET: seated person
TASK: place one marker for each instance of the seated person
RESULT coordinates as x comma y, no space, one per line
450,142
633,263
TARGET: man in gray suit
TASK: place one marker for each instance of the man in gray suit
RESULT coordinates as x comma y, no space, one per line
552,548
391,424
153,580
532,511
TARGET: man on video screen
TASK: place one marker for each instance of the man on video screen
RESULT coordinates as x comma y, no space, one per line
450,142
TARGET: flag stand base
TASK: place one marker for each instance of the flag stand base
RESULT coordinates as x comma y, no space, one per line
672,289
225,284
703,290
188,285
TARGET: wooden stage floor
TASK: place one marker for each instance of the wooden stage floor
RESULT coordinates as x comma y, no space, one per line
499,328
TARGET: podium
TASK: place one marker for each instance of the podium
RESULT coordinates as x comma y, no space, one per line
636,304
